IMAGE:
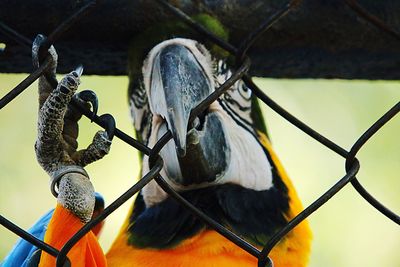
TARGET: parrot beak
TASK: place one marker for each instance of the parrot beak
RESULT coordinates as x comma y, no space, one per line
178,84
179,77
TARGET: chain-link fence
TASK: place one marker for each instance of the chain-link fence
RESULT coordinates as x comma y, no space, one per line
156,162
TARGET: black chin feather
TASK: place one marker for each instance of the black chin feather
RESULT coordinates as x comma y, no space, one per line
254,215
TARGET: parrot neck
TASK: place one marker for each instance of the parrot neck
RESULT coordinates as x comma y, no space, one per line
168,235
208,248
253,214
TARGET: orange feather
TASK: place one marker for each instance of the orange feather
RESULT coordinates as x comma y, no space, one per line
63,225
209,248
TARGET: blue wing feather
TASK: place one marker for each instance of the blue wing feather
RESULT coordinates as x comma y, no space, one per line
23,253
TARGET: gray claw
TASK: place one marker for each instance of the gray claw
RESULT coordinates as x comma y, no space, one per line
78,71
88,96
108,123
35,49
37,58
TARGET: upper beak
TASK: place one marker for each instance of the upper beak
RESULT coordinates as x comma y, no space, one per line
178,84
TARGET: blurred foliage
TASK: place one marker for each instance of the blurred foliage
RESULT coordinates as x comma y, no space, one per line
347,230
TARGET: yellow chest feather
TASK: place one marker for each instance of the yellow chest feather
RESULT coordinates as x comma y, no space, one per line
209,248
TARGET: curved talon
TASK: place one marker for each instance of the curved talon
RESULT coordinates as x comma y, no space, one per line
109,124
78,71
89,96
38,56
36,46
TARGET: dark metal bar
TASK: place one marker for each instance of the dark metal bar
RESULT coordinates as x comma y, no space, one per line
374,20
293,120
66,24
118,133
199,28
11,33
257,33
353,152
215,225
374,202
246,44
27,236
222,89
24,84
63,27
371,131
160,144
262,259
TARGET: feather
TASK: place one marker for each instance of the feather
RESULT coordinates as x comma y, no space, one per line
87,252
24,253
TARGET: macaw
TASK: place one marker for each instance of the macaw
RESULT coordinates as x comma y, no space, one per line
222,162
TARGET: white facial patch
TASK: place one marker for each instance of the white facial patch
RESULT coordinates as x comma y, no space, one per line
248,164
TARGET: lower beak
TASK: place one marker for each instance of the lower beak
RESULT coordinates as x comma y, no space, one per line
178,84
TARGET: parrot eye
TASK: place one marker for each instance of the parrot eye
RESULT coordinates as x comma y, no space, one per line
239,97
244,91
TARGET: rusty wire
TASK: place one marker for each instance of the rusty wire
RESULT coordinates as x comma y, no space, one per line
352,165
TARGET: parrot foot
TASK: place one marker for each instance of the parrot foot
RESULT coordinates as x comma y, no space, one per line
56,145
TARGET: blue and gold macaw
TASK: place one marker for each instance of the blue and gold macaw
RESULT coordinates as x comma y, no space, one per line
222,162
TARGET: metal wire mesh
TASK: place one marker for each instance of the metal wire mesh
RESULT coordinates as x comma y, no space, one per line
352,165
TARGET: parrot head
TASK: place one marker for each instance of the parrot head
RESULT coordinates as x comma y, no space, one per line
220,145
220,160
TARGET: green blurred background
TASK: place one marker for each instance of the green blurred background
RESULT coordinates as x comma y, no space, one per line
347,230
